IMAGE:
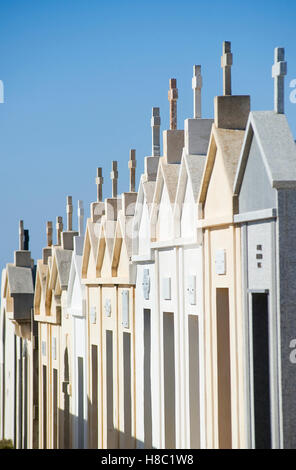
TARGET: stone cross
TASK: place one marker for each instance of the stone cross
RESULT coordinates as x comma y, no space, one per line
99,183
226,63
26,240
173,96
155,125
80,218
21,235
279,70
49,233
69,213
114,178
59,227
196,86
132,168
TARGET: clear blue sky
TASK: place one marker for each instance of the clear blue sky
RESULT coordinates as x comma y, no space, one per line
81,77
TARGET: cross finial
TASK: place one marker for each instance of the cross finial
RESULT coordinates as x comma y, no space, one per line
196,86
59,227
279,70
49,233
114,178
21,235
132,167
69,213
80,218
99,183
155,125
173,96
226,63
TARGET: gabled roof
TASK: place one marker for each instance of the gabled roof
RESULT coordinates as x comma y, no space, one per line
148,190
192,168
105,242
61,265
90,245
123,244
20,280
167,175
41,282
145,196
75,270
229,141
277,148
170,174
41,274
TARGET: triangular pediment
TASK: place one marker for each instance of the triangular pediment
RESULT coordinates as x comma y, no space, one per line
90,250
40,287
267,161
162,227
105,247
256,192
122,247
216,194
141,220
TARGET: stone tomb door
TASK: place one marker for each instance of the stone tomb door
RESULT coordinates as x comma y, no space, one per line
260,370
223,368
169,380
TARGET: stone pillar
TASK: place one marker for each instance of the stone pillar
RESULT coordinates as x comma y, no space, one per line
99,183
279,70
59,227
196,86
69,214
114,178
132,167
26,239
49,233
226,63
155,125
21,235
173,96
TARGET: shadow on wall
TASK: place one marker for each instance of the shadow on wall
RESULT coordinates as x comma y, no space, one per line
76,430
116,439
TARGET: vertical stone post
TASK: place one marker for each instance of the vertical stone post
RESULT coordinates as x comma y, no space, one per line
69,214
99,183
173,96
21,235
279,70
59,227
196,86
114,178
132,167
49,233
155,125
226,63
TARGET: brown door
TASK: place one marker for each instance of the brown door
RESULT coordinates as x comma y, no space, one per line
223,365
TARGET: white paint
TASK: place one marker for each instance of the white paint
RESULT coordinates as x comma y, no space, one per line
76,302
187,216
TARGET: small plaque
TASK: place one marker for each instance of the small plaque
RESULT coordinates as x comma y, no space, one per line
146,284
43,348
191,290
93,314
107,308
166,288
220,262
125,308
